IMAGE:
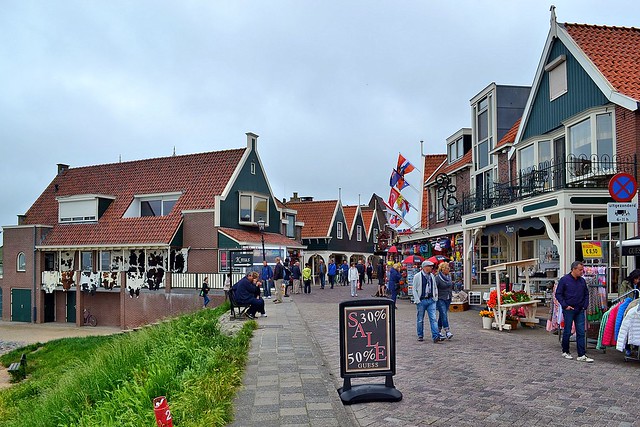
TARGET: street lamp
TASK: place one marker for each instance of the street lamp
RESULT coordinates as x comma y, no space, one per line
261,224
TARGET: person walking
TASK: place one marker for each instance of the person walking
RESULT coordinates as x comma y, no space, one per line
322,270
361,270
344,279
573,296
278,276
445,292
369,271
287,278
332,273
296,276
380,272
394,281
306,278
425,296
204,292
353,279
266,274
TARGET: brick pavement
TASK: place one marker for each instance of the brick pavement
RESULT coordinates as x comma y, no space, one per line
480,377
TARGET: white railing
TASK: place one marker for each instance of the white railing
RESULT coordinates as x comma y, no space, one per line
194,280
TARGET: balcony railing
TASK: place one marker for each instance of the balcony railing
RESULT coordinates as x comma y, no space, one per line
579,172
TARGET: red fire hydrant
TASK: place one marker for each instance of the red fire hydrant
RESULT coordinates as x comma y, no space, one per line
162,411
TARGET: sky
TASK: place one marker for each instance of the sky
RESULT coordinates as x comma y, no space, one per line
334,89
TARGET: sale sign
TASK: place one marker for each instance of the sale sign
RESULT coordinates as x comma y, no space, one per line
368,339
592,249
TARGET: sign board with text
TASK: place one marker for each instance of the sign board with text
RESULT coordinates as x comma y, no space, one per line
622,212
591,250
367,349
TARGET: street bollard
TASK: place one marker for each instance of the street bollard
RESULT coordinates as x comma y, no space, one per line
162,411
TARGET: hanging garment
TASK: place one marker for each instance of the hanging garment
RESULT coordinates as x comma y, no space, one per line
629,330
620,315
632,304
609,329
603,323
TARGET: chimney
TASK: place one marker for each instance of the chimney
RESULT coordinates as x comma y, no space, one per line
21,219
62,168
252,141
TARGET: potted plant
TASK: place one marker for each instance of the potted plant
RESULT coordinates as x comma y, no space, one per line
487,318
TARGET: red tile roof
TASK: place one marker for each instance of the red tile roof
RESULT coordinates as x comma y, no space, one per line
615,51
431,163
350,215
510,136
251,237
464,160
199,177
316,215
367,217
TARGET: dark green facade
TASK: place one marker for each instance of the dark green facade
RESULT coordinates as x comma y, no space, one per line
582,94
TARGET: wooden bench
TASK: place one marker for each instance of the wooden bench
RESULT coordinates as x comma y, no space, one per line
18,370
237,310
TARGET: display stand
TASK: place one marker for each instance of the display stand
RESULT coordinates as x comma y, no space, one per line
530,307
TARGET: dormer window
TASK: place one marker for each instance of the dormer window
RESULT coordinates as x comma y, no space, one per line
253,208
456,149
152,205
82,208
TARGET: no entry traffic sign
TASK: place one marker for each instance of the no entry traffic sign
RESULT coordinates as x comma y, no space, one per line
622,187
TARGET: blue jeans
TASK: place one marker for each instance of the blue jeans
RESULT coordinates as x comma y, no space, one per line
571,316
428,305
443,313
322,281
266,284
206,299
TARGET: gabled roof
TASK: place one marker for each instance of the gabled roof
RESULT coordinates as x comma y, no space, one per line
350,215
433,163
253,238
615,51
199,177
609,55
318,217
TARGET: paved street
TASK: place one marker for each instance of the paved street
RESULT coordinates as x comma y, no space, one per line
480,377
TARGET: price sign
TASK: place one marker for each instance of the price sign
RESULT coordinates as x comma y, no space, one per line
367,341
591,249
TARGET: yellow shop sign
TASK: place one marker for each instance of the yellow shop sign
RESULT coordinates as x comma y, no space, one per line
592,249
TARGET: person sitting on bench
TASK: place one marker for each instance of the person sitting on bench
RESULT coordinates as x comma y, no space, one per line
246,292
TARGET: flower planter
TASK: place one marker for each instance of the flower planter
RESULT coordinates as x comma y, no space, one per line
486,322
513,323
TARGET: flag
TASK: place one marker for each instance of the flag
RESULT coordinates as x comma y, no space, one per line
397,180
404,208
393,196
395,221
404,166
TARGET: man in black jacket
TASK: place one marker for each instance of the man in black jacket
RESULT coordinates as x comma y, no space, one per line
278,275
361,270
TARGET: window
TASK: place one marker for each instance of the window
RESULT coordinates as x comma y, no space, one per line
254,208
359,233
253,168
291,226
440,198
339,230
591,141
483,144
456,150
21,264
557,70
483,155
105,261
77,209
580,139
86,261
375,235
156,207
527,159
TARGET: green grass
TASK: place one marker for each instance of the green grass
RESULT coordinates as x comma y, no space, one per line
111,381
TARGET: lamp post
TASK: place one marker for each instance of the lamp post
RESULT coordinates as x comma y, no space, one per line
261,224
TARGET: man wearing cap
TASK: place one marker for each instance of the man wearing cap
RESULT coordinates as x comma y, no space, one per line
425,295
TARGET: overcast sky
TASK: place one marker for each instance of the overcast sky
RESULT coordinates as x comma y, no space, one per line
335,89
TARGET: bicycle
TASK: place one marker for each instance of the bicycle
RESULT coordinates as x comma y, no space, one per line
89,319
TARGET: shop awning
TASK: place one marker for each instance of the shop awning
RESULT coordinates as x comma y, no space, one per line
514,226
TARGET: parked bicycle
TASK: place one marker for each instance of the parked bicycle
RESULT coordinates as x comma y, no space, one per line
89,319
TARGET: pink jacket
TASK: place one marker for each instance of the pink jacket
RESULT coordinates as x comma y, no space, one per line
610,327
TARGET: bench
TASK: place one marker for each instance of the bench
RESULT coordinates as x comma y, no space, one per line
18,370
237,310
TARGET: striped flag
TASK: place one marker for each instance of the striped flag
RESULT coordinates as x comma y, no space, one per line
397,180
404,166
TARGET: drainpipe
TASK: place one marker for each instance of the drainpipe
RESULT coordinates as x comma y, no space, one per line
33,294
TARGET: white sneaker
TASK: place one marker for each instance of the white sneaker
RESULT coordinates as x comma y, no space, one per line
584,358
269,297
568,356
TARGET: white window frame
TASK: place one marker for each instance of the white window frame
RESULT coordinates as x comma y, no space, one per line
83,266
375,235
253,168
135,209
359,233
487,171
21,262
592,117
456,149
557,70
339,229
253,220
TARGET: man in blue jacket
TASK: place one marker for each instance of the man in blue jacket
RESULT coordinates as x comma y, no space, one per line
332,273
246,292
266,274
573,296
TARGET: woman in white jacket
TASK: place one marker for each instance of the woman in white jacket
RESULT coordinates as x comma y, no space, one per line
353,279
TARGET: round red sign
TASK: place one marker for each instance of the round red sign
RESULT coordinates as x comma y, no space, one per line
623,187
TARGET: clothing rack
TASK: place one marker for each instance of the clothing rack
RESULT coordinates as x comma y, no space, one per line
635,292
